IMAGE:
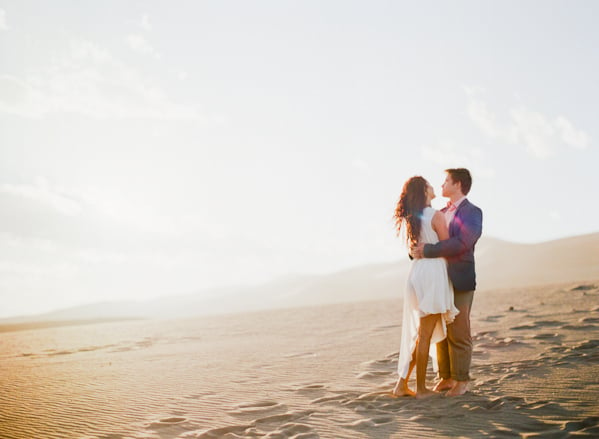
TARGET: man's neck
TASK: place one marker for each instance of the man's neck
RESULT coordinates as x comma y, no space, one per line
457,197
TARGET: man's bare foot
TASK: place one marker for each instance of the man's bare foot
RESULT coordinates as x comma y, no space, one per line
459,389
402,389
425,393
444,384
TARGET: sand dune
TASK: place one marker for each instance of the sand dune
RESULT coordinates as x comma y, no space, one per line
323,371
318,372
506,265
500,265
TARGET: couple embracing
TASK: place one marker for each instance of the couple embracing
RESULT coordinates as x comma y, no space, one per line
441,283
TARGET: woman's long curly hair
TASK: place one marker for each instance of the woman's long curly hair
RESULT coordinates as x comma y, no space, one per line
412,202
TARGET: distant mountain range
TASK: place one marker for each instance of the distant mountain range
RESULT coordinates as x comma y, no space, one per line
500,265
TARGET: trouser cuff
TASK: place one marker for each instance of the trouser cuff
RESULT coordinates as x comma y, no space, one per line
461,377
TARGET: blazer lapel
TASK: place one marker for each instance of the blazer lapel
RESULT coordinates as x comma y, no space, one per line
454,225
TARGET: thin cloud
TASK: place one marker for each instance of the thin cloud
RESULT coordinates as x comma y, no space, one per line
361,166
87,79
555,215
42,193
570,135
443,153
3,24
18,97
96,217
59,270
542,136
484,119
449,154
535,131
139,44
145,23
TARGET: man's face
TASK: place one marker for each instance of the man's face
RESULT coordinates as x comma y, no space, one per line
449,188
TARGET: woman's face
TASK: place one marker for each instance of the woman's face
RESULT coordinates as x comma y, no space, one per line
430,193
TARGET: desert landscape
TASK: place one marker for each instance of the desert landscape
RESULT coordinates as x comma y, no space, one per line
319,370
200,205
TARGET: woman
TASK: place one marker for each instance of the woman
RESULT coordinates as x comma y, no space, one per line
428,301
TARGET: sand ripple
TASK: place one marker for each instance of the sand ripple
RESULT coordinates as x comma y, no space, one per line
534,375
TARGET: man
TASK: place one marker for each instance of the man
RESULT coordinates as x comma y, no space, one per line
464,221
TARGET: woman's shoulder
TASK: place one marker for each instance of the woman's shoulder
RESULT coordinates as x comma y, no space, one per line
429,212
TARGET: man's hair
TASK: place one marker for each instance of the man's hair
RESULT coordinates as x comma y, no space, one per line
461,175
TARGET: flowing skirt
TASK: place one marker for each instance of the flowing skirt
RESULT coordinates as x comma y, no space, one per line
428,291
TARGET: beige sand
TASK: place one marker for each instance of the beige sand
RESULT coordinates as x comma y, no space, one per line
305,373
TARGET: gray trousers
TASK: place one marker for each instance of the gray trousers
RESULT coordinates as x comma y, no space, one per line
454,354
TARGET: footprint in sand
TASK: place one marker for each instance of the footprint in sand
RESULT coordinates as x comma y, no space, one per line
312,390
479,353
374,374
300,355
585,287
546,407
589,426
61,353
373,364
550,323
310,387
385,364
385,328
494,404
545,336
498,343
283,418
493,318
202,395
484,334
173,420
538,324
369,423
257,407
585,327
335,399
379,368
216,433
293,430
523,327
586,345
548,338
166,423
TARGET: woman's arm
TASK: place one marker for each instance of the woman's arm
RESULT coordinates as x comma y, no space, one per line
440,226
469,230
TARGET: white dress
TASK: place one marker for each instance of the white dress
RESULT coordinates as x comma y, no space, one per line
428,291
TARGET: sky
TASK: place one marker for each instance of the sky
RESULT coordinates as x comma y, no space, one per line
153,148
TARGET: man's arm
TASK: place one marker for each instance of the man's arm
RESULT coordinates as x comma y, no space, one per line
471,226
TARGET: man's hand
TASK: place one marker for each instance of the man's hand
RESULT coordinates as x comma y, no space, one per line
417,251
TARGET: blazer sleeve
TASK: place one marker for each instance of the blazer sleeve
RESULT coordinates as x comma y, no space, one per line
470,228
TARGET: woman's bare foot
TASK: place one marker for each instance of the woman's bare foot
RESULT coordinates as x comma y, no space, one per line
402,389
444,384
459,389
403,392
425,393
